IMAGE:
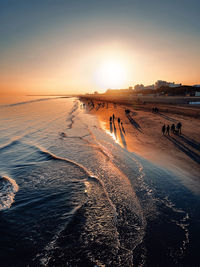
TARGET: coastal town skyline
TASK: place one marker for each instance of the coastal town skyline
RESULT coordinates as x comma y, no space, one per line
65,47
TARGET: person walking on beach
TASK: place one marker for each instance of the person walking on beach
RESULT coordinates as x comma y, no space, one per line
127,112
178,126
173,128
110,119
118,120
168,128
163,129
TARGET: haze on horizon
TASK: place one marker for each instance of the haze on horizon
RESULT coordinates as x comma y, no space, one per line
61,47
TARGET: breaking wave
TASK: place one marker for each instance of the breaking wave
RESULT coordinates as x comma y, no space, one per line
8,189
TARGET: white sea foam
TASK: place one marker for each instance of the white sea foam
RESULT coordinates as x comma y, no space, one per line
8,189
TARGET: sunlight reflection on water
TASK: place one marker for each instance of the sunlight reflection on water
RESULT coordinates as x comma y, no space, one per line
112,134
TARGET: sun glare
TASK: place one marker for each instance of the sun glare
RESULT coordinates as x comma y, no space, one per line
111,74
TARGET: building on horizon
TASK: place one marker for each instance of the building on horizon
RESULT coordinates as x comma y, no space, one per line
161,83
139,87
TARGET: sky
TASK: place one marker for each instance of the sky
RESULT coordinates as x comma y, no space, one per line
64,47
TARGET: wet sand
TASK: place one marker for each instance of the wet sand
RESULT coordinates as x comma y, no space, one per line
141,133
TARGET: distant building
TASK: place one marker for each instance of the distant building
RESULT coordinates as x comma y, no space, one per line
161,83
138,87
152,87
173,85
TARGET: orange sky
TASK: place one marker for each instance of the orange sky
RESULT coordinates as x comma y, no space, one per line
65,54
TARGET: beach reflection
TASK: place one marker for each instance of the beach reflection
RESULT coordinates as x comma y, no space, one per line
122,135
116,131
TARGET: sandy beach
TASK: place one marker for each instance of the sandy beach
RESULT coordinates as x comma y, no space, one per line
142,135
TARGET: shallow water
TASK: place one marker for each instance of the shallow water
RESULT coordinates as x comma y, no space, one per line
71,196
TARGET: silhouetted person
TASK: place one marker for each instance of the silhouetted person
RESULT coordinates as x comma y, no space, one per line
127,111
110,118
178,126
156,110
118,120
168,128
173,128
163,129
113,116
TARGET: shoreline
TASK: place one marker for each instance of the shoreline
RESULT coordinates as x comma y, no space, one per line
142,135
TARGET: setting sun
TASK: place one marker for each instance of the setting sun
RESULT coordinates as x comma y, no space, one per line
111,74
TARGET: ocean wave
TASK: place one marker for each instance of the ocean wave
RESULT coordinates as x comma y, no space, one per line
8,189
42,151
92,224
27,102
50,156
11,143
90,176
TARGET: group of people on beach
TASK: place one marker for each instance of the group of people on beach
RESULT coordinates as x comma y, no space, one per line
174,129
113,118
98,105
166,129
102,105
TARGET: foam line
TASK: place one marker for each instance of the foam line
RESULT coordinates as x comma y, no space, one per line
8,189
52,156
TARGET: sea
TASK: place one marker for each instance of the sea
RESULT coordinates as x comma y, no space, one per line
70,195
